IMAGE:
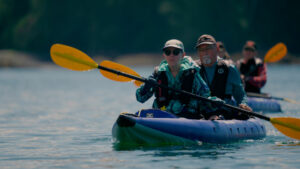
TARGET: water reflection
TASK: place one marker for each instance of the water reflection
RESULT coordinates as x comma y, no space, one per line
204,151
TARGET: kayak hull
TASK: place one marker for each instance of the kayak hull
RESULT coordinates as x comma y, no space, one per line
264,105
170,130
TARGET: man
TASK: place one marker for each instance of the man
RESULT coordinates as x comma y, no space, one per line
253,70
222,78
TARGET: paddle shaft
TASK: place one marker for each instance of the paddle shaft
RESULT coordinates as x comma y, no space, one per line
185,93
263,95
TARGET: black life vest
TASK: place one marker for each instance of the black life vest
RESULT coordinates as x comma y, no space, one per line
218,85
251,69
163,96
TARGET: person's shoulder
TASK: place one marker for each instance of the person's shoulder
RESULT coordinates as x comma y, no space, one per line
239,61
162,66
225,62
189,60
188,63
231,66
198,62
258,60
229,62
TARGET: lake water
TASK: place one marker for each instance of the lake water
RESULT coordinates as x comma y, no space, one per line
57,118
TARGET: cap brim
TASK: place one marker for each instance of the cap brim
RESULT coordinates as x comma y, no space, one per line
174,46
205,43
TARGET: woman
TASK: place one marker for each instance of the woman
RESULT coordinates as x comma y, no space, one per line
253,70
180,72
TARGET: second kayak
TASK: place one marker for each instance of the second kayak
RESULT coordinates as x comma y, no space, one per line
264,105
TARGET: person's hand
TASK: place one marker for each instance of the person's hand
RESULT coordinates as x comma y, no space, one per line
242,77
245,107
214,117
150,82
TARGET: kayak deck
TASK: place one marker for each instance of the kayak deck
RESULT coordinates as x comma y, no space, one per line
155,127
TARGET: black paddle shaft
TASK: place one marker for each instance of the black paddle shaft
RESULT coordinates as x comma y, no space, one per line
186,93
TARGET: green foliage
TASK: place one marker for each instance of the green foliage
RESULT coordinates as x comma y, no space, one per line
129,26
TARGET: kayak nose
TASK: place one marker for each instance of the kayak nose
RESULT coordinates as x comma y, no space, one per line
125,121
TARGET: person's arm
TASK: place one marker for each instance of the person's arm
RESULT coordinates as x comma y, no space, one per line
260,80
146,90
238,91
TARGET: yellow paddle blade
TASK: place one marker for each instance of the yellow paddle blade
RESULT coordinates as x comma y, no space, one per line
71,58
288,126
121,68
276,53
138,83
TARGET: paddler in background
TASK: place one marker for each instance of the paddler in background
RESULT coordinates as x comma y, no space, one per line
180,72
222,78
222,53
253,70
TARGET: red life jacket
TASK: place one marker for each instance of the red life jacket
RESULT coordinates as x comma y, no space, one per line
252,68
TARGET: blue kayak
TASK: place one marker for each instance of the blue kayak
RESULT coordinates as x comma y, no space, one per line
156,127
264,105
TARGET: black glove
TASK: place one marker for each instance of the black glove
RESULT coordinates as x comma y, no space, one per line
150,82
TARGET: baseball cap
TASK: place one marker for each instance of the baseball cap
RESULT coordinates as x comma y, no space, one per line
174,43
205,39
250,45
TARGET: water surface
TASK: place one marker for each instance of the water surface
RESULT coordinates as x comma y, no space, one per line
56,118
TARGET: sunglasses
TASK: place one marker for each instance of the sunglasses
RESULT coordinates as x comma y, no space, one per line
201,49
249,49
175,52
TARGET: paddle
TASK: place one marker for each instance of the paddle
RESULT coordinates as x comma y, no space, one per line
74,59
276,53
266,96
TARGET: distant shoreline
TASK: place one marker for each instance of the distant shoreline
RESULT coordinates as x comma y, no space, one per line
11,58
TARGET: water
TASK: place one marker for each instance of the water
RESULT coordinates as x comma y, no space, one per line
56,118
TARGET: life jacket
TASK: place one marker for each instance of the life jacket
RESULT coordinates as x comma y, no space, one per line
218,85
163,96
251,69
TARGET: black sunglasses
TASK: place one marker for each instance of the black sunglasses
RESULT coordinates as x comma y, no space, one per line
249,49
200,49
175,52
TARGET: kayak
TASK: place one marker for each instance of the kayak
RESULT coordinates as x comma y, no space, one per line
156,127
263,104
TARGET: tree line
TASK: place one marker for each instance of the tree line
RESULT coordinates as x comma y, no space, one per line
132,26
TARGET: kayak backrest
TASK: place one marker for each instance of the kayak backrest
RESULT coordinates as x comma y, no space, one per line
154,113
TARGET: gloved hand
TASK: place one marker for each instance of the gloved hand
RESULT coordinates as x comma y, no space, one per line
150,82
